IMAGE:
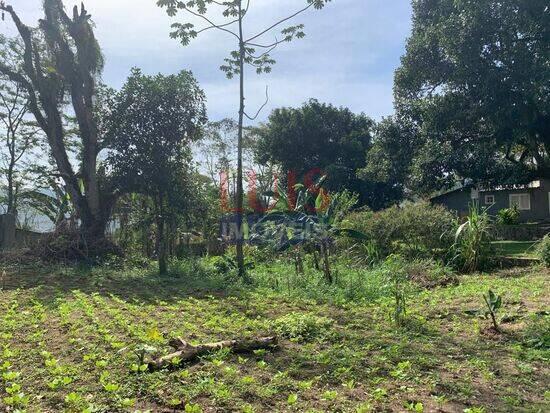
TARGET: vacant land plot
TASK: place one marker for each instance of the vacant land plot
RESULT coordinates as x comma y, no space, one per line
76,342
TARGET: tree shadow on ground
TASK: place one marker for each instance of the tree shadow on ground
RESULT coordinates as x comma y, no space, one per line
137,285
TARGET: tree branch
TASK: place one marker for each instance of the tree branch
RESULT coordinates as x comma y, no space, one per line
279,23
264,53
267,46
33,103
261,108
214,25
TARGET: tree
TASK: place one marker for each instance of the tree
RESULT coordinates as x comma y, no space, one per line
219,164
252,51
20,138
475,79
388,163
61,61
318,139
152,122
216,149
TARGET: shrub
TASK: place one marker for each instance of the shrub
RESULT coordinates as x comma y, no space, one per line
220,264
543,250
418,230
199,274
430,274
302,327
508,216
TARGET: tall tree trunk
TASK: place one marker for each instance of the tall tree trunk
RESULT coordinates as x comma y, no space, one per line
161,223
11,194
240,235
326,262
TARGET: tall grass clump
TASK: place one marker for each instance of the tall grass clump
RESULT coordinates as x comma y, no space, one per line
352,284
472,246
201,274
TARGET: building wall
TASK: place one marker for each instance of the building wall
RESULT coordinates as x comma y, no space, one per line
16,238
540,202
458,201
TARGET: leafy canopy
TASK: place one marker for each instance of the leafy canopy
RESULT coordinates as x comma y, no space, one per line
255,49
476,80
317,139
149,127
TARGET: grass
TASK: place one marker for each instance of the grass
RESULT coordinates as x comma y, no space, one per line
68,339
516,249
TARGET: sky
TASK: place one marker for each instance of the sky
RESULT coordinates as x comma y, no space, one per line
349,55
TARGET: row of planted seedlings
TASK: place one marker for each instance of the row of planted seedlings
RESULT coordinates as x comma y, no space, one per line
229,380
200,320
99,345
24,343
139,322
149,325
43,351
12,320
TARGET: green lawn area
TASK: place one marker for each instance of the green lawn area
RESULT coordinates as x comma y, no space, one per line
67,342
516,249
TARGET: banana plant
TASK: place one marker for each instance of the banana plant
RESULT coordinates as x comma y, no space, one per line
494,303
54,202
295,223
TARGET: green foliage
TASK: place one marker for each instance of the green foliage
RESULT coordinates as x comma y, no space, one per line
173,108
537,331
413,230
457,57
107,313
65,75
429,274
394,271
254,51
351,283
221,264
472,245
227,264
303,224
149,126
254,54
20,135
543,250
388,160
474,410
323,138
508,216
302,327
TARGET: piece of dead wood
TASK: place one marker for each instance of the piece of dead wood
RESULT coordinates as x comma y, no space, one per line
187,352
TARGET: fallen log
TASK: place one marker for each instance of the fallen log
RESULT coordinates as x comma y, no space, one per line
186,352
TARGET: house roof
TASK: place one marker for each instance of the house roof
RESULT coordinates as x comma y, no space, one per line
461,187
530,185
457,188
